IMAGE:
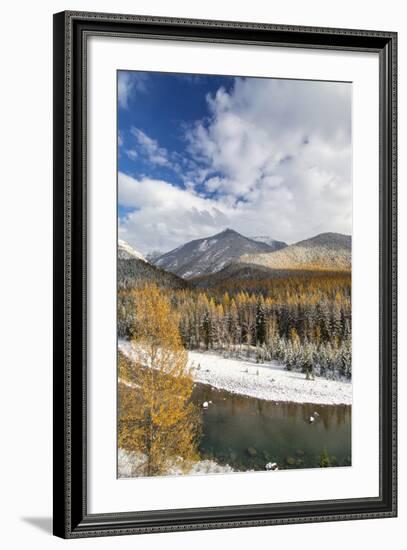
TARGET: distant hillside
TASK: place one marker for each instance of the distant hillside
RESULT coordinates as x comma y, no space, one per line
327,251
127,252
234,271
209,255
134,273
133,270
275,245
249,277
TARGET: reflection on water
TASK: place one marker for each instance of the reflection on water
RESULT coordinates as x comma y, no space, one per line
247,433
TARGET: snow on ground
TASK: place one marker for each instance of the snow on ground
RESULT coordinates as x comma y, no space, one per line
268,381
129,462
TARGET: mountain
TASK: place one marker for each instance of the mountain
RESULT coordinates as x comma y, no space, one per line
153,255
126,252
275,245
203,256
134,273
133,270
327,251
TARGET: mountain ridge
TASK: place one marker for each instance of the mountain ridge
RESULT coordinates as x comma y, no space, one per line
276,245
325,251
209,254
127,252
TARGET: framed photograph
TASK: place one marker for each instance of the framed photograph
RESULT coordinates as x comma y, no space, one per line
224,274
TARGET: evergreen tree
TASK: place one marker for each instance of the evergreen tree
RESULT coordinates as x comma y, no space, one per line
260,321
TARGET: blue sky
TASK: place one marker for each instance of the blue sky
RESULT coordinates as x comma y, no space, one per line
162,108
199,153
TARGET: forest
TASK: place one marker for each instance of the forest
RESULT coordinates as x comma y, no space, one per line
303,321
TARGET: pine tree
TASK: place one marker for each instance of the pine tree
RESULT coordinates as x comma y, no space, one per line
234,326
260,321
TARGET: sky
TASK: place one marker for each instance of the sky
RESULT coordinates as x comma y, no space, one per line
201,153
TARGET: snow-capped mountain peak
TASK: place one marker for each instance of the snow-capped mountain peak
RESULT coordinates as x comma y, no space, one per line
127,252
210,254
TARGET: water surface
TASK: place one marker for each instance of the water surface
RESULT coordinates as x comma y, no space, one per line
247,433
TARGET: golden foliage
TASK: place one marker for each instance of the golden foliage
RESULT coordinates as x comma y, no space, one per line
156,416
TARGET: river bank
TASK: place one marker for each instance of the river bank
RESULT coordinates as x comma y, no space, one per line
264,380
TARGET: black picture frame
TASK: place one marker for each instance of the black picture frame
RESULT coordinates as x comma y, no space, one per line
71,518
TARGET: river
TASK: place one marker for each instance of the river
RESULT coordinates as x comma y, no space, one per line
247,433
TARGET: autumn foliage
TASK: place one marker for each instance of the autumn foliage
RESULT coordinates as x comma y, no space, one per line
156,417
304,320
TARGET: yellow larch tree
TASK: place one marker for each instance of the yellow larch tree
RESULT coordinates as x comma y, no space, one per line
157,419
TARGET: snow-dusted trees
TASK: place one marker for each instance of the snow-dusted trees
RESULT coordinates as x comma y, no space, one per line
303,321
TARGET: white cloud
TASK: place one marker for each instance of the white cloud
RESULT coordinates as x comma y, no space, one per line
164,215
129,83
131,153
275,155
150,148
295,136
120,139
